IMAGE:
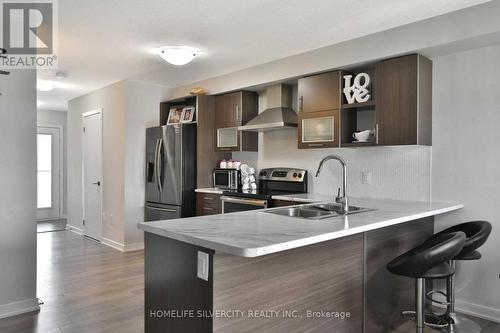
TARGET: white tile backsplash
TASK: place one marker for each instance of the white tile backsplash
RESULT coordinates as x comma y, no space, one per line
398,172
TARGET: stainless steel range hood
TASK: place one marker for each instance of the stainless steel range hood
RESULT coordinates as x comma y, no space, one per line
279,113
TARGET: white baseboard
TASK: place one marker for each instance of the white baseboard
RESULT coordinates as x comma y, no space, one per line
74,229
134,247
17,308
477,310
122,247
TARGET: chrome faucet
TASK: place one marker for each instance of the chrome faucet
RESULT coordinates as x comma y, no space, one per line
342,200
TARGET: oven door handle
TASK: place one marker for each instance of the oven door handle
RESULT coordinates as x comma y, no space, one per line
253,202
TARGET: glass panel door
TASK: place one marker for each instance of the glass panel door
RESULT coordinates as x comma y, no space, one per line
227,137
48,177
44,170
318,129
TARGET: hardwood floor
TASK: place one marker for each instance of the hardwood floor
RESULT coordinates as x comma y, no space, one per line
486,326
87,287
51,225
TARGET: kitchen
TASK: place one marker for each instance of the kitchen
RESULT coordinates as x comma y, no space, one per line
261,219
247,166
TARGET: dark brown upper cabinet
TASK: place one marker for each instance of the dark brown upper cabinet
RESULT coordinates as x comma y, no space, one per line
233,110
319,92
404,101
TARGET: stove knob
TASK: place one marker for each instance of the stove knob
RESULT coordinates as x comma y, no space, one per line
294,175
300,175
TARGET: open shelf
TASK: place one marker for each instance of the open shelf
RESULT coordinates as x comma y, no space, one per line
185,101
356,120
358,144
365,105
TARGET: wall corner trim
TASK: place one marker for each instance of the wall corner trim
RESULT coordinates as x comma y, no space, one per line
17,308
74,229
123,247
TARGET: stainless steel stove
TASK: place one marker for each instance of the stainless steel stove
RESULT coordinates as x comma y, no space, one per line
272,181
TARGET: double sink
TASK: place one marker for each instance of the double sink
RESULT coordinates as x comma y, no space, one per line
317,211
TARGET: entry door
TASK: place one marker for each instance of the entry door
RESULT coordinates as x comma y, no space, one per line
92,174
48,172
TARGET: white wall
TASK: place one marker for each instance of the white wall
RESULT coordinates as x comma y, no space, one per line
128,108
466,163
18,193
142,112
112,100
58,118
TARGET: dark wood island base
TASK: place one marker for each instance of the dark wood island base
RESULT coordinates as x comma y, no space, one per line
338,286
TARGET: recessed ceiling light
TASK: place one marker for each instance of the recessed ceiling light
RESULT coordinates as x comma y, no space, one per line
45,85
177,55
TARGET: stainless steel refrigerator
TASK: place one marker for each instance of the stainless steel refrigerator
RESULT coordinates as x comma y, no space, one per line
170,172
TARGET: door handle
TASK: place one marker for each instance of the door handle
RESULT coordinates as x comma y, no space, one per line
98,183
159,165
155,169
237,109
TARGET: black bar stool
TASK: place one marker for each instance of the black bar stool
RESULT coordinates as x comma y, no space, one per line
476,232
427,261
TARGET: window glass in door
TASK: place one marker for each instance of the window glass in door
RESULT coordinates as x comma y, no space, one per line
48,173
44,171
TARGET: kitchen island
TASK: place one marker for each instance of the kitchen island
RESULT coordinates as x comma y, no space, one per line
255,271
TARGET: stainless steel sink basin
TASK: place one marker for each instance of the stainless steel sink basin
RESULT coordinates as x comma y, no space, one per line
316,211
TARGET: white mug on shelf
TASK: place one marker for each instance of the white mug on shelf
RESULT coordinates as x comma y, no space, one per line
362,136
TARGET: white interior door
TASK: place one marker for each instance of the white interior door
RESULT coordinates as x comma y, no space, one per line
92,174
48,172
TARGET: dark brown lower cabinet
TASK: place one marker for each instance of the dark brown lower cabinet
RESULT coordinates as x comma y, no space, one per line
208,204
338,286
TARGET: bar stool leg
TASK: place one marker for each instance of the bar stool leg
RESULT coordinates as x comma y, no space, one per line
419,305
456,324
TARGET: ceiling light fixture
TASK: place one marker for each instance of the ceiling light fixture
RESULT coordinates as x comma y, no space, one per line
45,85
177,55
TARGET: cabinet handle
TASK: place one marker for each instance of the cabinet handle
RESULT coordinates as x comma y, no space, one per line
301,103
316,144
238,116
208,208
376,133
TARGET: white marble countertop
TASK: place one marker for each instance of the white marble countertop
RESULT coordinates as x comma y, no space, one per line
256,233
211,190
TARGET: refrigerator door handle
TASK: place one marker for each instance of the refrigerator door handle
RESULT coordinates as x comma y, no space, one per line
155,166
159,164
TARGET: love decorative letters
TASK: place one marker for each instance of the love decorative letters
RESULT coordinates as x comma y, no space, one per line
357,91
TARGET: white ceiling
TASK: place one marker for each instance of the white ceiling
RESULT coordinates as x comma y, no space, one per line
101,42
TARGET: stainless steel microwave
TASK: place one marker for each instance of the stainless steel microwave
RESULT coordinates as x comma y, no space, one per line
226,179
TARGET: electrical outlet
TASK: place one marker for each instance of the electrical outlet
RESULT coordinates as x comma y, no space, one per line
366,177
203,262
